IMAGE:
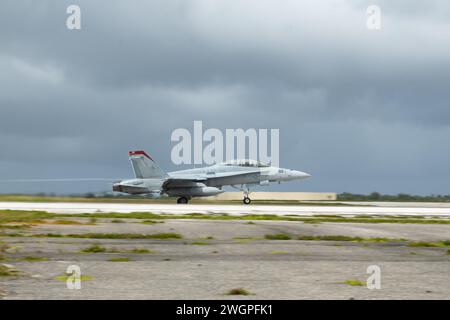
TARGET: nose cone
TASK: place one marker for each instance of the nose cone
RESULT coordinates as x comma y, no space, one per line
301,175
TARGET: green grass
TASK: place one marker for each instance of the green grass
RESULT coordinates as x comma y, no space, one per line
34,259
68,222
33,217
200,243
255,217
151,222
6,271
7,216
141,251
98,235
126,236
120,259
117,221
347,238
278,252
245,239
16,226
283,236
354,283
40,235
238,291
278,236
64,277
374,220
445,243
448,252
2,258
95,248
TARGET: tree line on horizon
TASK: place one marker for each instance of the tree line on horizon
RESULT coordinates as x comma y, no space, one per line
345,196
376,196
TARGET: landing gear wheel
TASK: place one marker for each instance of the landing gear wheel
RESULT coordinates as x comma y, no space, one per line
182,200
247,200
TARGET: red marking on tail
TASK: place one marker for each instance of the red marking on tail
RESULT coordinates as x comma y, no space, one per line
139,152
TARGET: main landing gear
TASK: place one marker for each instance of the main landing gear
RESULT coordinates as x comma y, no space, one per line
182,200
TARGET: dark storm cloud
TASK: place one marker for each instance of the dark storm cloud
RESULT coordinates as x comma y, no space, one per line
361,110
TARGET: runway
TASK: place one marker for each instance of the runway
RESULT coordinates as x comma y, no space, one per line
214,256
209,257
351,210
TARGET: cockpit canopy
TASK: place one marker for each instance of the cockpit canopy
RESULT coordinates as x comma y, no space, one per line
244,163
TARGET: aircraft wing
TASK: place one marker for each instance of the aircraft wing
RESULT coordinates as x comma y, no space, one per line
191,180
182,182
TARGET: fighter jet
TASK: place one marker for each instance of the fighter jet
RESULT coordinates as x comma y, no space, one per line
150,179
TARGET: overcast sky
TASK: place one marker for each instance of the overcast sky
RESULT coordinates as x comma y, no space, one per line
361,110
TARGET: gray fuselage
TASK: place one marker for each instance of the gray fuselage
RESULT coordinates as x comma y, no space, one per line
198,180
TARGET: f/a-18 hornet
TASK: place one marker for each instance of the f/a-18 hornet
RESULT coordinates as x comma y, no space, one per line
201,182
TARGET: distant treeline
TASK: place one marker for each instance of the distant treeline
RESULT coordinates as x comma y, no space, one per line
346,196
88,195
376,196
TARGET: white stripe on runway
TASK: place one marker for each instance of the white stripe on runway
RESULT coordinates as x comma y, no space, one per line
69,207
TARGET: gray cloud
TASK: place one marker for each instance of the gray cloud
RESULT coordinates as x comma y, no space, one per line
360,110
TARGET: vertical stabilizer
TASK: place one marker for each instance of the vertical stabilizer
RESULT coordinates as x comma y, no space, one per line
144,166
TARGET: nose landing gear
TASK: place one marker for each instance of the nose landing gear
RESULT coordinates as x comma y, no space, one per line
246,199
246,190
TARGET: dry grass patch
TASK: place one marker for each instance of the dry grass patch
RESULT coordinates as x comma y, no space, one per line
200,243
445,243
34,259
278,236
239,291
279,252
120,259
95,248
8,271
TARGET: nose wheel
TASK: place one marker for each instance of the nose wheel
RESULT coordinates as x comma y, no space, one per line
247,199
182,200
244,188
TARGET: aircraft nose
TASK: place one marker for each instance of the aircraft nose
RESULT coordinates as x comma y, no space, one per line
301,175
